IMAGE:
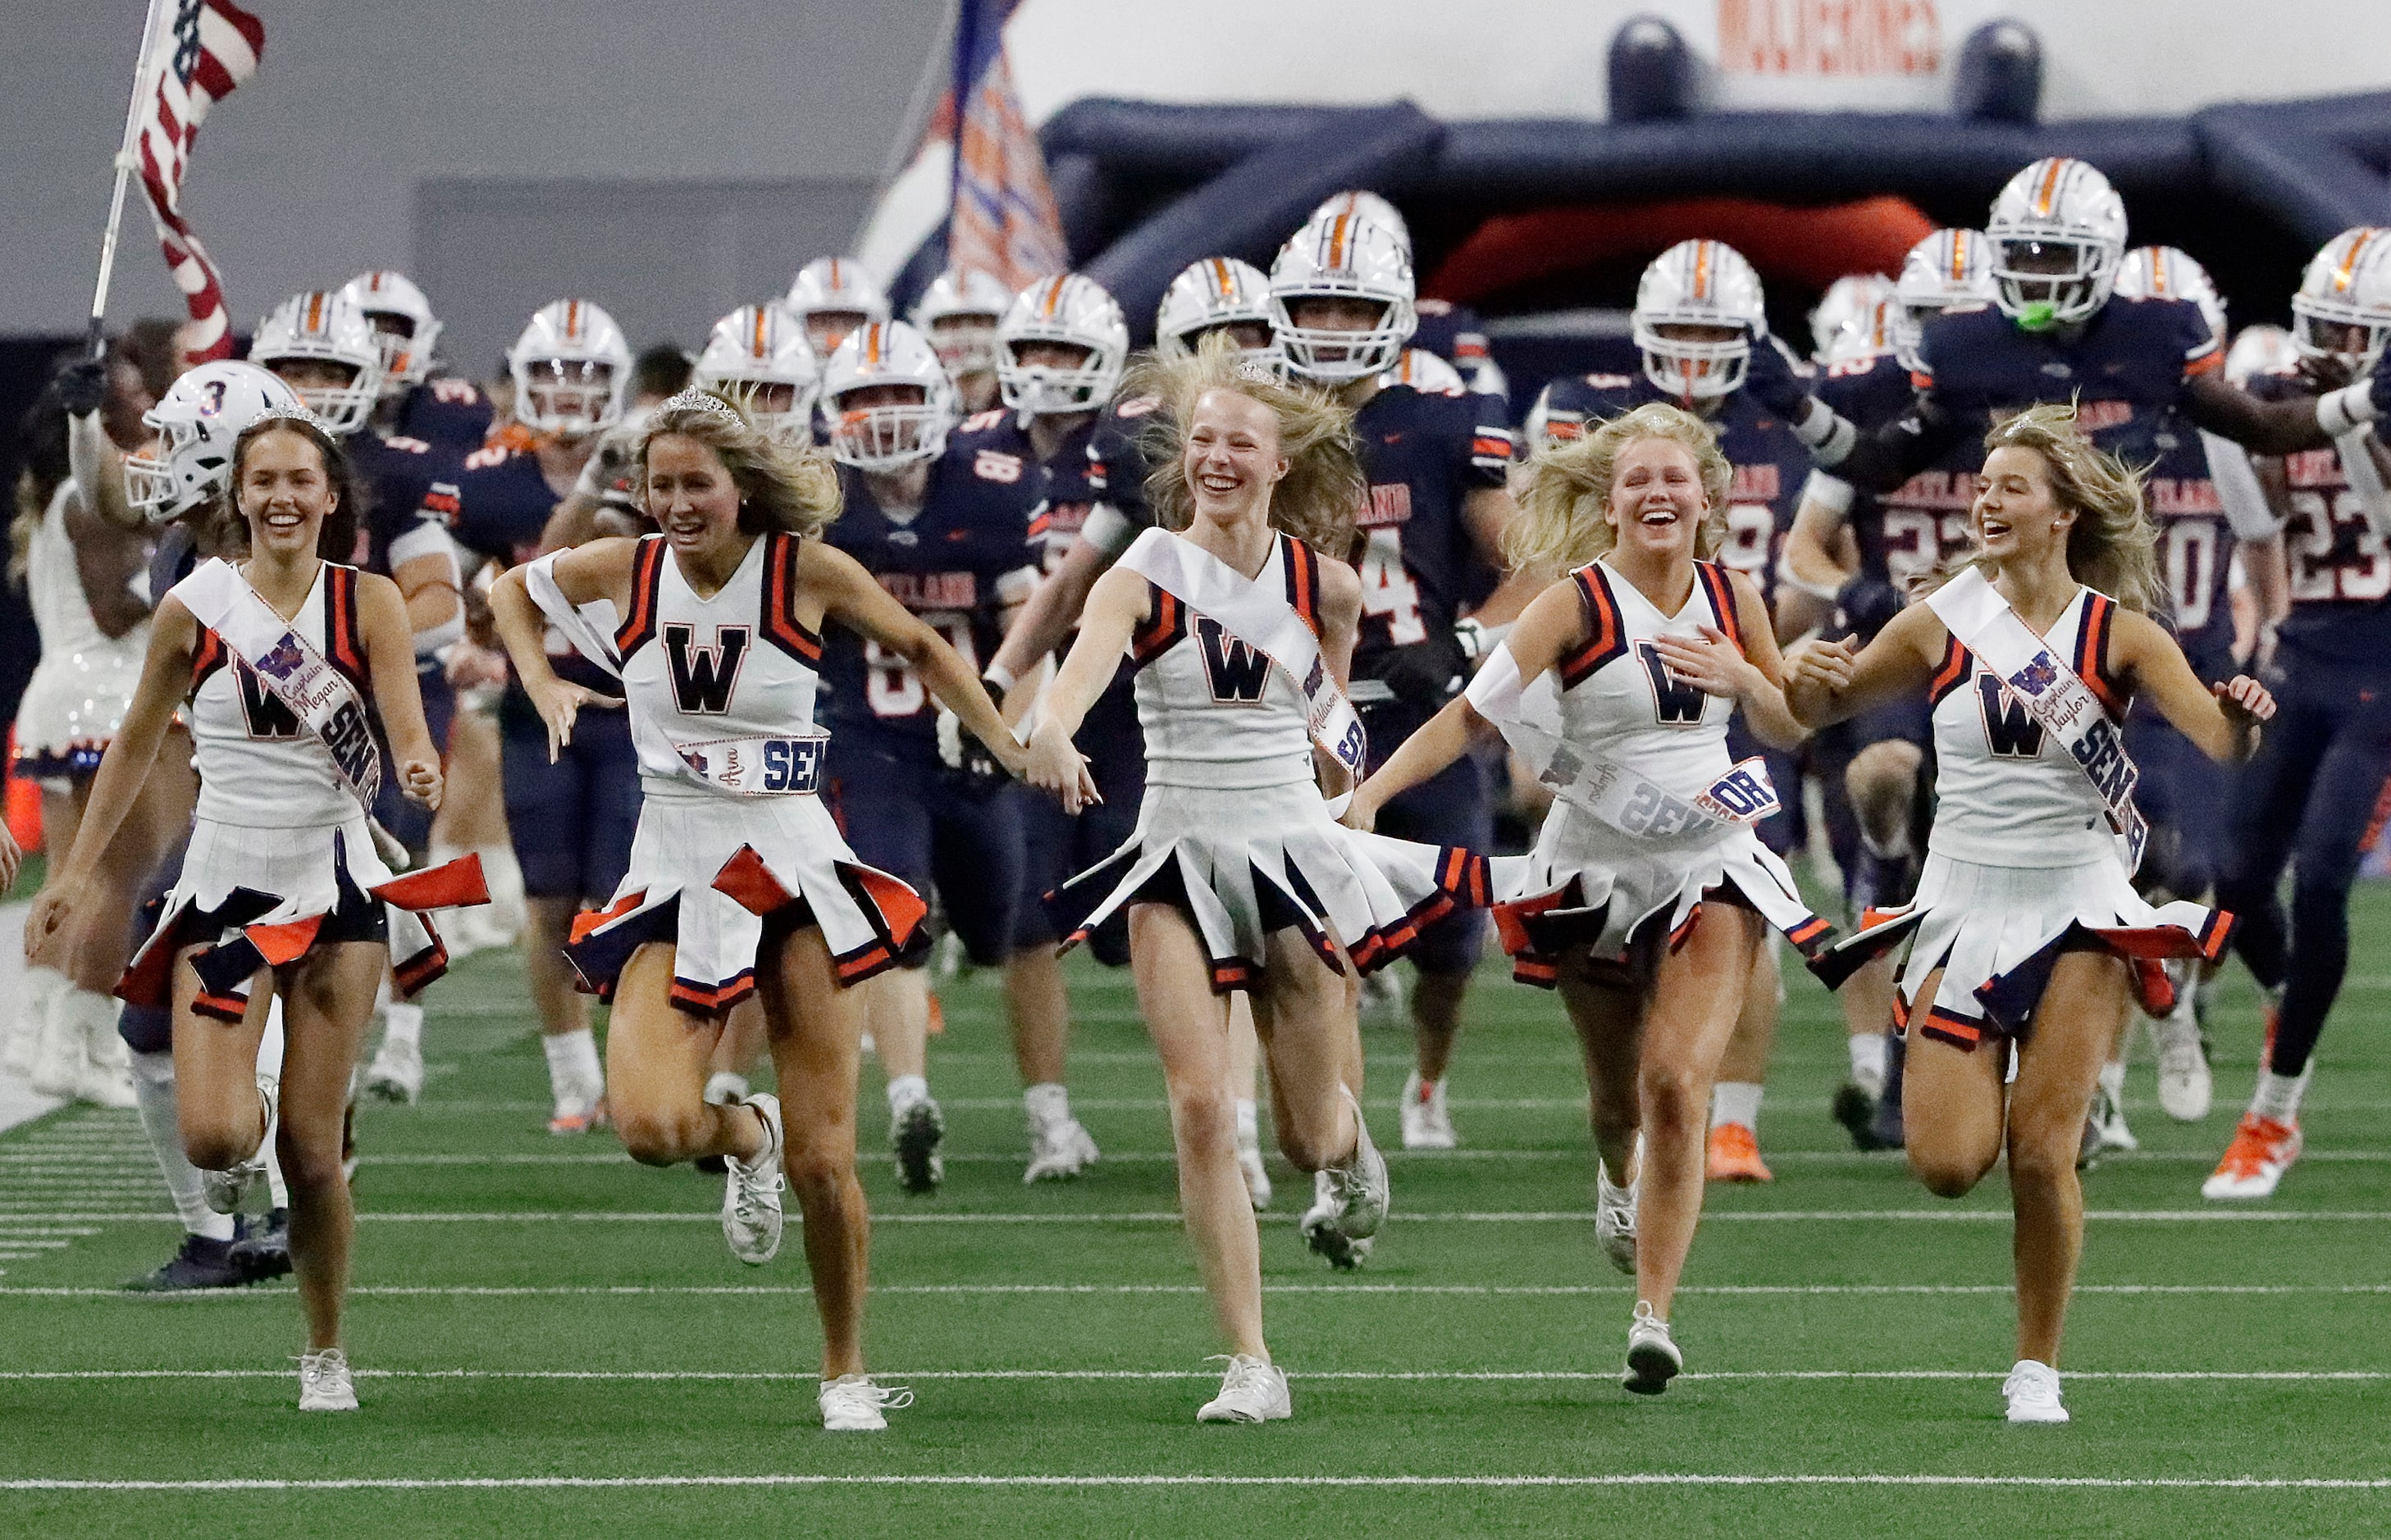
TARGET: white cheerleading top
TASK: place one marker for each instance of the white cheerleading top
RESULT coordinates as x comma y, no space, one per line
2008,793
1214,712
1619,702
61,612
259,768
738,665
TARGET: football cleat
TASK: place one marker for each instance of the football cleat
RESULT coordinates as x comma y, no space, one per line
1614,1215
201,1263
1652,1356
2109,1121
266,1254
2186,1085
1058,1150
1734,1155
325,1383
1254,1390
751,1191
2261,1152
1856,1109
915,1134
1427,1123
578,1111
2033,1391
852,1403
396,1072
1382,1000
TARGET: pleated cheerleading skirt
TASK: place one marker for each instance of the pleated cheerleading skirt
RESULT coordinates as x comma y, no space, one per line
708,869
1587,883
1996,931
72,709
257,898
1242,863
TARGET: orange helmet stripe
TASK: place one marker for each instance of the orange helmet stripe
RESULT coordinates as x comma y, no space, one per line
758,347
1702,269
1222,283
2349,274
315,311
1958,256
2043,199
572,318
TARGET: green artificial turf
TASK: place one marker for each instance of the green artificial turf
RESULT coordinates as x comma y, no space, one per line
724,1354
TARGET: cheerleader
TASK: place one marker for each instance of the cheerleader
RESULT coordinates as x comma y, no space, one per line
283,657
2027,933
1237,876
1645,899
739,883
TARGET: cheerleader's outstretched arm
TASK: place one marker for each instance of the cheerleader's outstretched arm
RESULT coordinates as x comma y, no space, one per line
1116,606
1829,681
2223,720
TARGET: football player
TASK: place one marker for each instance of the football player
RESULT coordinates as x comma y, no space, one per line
831,297
1700,323
1341,301
758,357
1851,320
2314,795
416,401
1440,327
958,313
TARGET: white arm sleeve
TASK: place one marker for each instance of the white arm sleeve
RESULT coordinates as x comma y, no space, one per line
2365,477
2238,488
1108,530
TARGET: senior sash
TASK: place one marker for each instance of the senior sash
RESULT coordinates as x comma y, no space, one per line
589,638
1256,615
787,765
321,696
2051,693
1530,718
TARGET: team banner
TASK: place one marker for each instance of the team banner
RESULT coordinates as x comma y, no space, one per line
321,696
1264,621
208,49
2051,693
1530,718
785,766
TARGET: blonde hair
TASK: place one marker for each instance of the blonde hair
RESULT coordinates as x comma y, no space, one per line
2114,546
782,485
1324,488
1565,489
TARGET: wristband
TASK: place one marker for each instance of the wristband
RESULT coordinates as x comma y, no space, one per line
998,675
1830,592
2351,406
1830,492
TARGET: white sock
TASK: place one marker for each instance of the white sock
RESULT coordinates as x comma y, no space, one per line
2277,1097
1868,1052
1249,1128
2112,1080
402,1023
1736,1101
1048,1102
905,1090
269,1064
505,911
153,1093
573,1067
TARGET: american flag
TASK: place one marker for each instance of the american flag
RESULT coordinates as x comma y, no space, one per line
209,48
1004,219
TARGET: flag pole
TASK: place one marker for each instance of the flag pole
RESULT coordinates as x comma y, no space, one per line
96,337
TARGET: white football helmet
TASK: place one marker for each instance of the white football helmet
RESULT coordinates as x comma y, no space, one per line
1699,283
758,357
1423,370
1207,295
959,313
1071,310
324,328
2348,284
1850,321
1948,269
1343,258
832,296
2260,350
572,369
197,422
2061,209
2166,273
886,436
1369,209
403,324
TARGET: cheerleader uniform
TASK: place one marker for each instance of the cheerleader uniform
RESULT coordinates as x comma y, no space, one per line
710,865
2021,865
281,858
76,700
1232,830
1628,894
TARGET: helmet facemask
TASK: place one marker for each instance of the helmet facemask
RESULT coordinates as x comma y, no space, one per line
965,344
1336,354
1694,367
881,436
1051,387
571,398
2323,328
2049,280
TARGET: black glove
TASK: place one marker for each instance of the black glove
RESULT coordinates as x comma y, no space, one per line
83,386
1868,605
1424,676
1772,381
2378,391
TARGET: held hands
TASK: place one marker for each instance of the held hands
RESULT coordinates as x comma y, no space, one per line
558,703
1050,763
53,911
419,779
1361,812
470,667
1824,666
1712,664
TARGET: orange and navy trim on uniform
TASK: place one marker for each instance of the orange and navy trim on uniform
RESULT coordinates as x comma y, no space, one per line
1166,623
1957,665
1302,567
1807,934
781,627
1607,641
2092,653
647,578
1952,1029
712,1000
343,628
1714,582
206,658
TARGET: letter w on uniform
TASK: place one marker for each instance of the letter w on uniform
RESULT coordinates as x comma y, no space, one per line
1236,671
1677,703
2010,730
703,677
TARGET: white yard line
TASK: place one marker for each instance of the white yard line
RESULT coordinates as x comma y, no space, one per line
1482,1482
1414,1216
1369,1376
1558,1291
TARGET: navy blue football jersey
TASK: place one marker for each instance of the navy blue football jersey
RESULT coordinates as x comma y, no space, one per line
400,476
2340,568
2125,368
1919,526
1424,453
1770,463
449,414
499,508
1116,465
956,564
1454,334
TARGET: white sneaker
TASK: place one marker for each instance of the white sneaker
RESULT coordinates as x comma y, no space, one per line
1349,1202
2186,1085
1253,1391
723,1089
325,1383
1427,1125
27,1023
751,1192
578,1109
852,1403
1614,1215
2109,1119
1256,1176
396,1072
1058,1150
915,1133
56,1069
1652,1356
2033,1391
226,1190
